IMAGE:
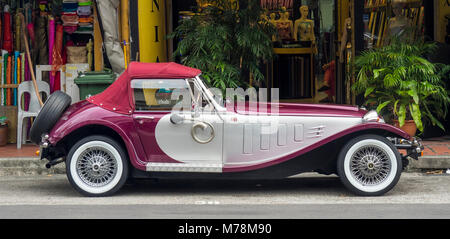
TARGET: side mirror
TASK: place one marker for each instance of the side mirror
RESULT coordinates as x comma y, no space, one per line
176,118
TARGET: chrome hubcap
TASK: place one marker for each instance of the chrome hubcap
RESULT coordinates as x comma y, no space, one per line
96,166
370,165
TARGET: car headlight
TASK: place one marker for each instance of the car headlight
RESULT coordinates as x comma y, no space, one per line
372,116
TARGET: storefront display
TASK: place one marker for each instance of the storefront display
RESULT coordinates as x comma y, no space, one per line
300,43
304,28
50,30
386,19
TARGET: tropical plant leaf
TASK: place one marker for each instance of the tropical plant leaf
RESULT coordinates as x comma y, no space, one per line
369,90
416,115
395,106
382,105
402,114
413,93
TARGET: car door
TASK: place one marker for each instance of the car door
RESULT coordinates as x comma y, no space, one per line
193,144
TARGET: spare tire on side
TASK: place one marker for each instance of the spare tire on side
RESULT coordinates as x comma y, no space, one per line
50,113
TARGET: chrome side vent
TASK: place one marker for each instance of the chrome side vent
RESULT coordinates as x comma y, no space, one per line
316,132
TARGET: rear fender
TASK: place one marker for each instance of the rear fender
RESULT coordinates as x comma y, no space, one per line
121,125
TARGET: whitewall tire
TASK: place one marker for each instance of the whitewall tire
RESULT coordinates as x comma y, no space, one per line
97,166
369,165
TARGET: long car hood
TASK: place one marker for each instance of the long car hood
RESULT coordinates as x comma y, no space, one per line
301,110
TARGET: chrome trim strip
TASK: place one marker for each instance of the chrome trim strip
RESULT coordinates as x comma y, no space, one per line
144,117
184,167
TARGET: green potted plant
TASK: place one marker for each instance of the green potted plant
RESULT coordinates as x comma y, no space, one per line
3,131
402,85
226,42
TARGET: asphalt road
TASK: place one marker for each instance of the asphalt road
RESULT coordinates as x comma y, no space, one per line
305,196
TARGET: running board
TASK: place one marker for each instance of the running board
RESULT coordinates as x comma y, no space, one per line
184,167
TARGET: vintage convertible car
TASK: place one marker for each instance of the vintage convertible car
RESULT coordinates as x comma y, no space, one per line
131,130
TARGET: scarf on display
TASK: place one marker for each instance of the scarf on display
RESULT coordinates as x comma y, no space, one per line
84,10
70,19
7,36
57,57
70,6
51,42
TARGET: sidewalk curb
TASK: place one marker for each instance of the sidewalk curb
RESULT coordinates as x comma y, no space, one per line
28,166
33,166
431,162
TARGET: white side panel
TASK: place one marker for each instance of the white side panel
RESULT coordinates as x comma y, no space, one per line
289,134
176,140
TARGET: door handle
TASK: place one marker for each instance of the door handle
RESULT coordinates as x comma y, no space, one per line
141,118
144,117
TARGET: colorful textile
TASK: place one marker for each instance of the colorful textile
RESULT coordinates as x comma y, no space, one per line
17,32
70,29
51,43
84,10
70,6
3,78
16,76
87,28
85,19
57,58
69,19
84,2
7,36
8,81
4,75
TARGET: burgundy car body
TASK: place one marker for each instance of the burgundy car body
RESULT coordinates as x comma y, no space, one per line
84,114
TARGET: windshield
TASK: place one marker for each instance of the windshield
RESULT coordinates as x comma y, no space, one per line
214,93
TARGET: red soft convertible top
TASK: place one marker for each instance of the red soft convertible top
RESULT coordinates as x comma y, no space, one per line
118,96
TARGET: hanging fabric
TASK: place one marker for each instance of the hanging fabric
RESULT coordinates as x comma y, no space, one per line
8,81
7,36
108,14
41,50
17,32
27,78
51,41
5,80
57,61
16,76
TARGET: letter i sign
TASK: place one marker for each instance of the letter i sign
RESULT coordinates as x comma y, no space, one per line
155,5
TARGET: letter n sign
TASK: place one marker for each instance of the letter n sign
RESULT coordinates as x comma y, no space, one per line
152,25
